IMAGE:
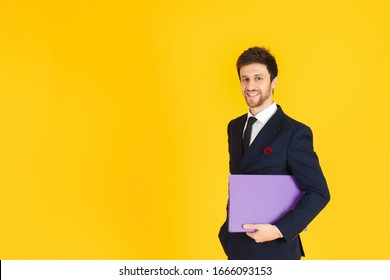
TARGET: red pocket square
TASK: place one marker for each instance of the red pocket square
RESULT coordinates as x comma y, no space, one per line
268,150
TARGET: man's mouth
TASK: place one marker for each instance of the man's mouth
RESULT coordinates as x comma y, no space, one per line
252,93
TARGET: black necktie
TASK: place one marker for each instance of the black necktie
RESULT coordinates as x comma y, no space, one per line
247,134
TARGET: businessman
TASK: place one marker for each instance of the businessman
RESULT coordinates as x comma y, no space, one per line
268,142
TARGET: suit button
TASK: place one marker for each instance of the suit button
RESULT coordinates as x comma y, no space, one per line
266,169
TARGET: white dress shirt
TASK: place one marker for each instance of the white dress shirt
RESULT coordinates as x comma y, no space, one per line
262,118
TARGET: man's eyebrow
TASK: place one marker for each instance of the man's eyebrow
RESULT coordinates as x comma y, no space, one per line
254,75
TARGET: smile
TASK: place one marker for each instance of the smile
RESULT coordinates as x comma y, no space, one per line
252,94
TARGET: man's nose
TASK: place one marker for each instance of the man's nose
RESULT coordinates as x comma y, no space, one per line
251,85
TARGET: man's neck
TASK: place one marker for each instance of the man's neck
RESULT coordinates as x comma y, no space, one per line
255,110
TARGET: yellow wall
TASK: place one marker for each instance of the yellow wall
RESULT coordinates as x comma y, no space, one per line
113,122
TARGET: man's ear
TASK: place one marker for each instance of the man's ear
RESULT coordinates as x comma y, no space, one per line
274,81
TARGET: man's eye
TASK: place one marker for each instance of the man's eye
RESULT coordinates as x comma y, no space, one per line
258,78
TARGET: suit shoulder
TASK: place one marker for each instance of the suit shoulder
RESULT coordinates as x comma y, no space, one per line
290,122
238,120
294,126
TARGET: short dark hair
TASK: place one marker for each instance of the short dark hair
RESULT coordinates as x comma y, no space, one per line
258,55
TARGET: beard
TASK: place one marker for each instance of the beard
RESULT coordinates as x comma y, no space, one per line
256,98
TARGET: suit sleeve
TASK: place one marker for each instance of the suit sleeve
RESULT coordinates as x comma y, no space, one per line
304,165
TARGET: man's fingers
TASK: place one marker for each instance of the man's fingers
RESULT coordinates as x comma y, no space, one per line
249,226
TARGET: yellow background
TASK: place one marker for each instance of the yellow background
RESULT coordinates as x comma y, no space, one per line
113,122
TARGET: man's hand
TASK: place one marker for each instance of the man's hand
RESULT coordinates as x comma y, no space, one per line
263,232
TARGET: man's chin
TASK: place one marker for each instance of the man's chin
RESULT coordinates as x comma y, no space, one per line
252,104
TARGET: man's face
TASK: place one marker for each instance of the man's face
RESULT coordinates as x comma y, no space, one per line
256,86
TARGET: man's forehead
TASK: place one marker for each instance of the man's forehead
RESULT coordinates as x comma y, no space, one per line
254,69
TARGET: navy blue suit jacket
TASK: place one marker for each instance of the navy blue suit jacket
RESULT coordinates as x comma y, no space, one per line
293,154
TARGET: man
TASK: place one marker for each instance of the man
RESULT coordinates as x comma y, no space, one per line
278,145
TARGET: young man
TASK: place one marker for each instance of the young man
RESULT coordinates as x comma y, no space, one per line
289,146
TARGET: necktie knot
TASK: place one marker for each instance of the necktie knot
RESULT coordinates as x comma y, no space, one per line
251,121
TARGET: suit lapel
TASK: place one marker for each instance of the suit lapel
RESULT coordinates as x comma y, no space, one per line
236,141
265,136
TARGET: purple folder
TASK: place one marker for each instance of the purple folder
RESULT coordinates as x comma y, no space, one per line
260,199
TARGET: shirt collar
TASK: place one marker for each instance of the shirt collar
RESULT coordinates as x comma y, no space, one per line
264,115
